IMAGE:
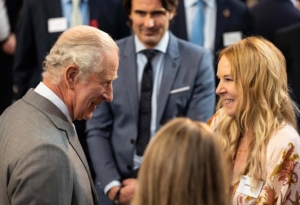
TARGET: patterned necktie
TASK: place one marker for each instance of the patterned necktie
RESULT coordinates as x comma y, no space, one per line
76,14
197,35
145,105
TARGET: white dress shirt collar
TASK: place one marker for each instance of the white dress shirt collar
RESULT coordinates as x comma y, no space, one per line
161,46
44,91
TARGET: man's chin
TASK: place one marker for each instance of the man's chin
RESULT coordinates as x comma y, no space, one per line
88,116
150,41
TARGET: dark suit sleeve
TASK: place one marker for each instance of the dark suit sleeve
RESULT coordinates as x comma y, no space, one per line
202,104
42,176
99,131
25,56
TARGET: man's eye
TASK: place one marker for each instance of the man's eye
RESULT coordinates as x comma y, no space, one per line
105,84
141,13
158,13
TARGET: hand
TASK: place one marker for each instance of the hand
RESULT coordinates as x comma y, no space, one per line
127,191
112,192
9,45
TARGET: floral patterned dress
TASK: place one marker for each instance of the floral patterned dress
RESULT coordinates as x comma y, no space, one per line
282,184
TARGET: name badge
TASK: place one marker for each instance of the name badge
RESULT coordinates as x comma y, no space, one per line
57,25
245,187
231,37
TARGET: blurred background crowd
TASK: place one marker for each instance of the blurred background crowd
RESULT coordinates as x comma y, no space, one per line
27,36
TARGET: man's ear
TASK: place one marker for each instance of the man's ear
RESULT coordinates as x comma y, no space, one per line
172,14
70,74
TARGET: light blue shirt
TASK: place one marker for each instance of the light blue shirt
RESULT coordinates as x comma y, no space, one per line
67,8
158,67
210,16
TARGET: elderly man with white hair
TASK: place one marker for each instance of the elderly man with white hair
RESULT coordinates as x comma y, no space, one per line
42,161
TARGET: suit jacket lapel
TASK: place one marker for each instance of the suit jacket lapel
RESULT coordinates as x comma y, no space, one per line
61,122
171,65
129,70
74,141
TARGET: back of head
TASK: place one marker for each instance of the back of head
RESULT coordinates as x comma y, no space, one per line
83,46
182,166
259,71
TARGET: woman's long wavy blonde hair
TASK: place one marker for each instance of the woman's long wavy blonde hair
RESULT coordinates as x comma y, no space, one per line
258,69
183,165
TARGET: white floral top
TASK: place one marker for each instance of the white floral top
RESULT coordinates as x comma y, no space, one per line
282,184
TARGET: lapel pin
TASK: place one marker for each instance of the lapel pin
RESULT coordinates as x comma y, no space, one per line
94,23
226,13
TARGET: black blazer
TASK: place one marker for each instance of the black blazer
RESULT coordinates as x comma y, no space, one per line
288,41
271,15
34,40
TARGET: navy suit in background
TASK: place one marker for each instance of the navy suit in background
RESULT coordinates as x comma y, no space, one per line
271,15
288,41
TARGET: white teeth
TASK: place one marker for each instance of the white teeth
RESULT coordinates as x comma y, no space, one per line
228,101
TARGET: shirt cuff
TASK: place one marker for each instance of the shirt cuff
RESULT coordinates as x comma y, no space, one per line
111,185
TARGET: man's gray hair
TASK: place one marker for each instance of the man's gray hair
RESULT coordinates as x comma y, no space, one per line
83,46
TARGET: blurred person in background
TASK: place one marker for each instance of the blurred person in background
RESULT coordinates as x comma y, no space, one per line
7,51
224,22
256,124
288,41
298,4
271,15
4,31
183,164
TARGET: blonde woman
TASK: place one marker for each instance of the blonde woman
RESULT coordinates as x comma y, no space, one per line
182,166
256,123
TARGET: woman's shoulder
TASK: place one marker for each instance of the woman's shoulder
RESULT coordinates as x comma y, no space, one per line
286,133
285,138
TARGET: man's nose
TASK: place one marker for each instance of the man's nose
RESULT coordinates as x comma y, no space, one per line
108,95
149,22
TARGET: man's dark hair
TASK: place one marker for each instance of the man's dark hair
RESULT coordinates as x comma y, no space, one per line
167,4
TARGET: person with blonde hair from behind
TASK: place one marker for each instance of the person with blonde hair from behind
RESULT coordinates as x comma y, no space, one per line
183,165
256,124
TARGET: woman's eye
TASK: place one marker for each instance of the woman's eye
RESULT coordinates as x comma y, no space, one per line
228,79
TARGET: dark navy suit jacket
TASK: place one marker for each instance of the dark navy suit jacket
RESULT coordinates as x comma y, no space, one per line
288,41
271,15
